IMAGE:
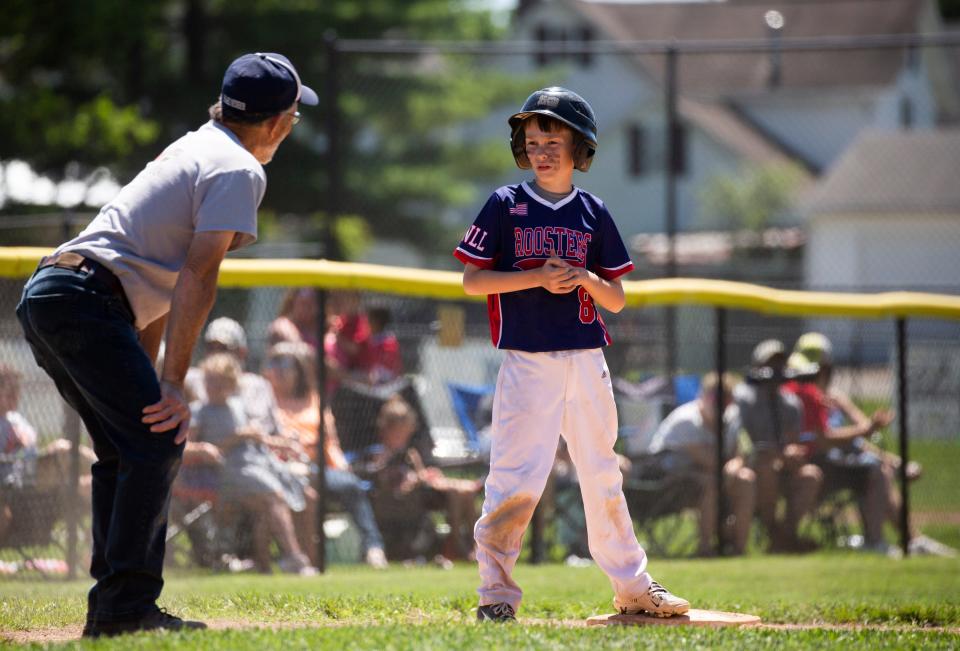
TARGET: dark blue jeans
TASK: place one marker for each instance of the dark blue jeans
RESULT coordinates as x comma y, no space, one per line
351,492
82,335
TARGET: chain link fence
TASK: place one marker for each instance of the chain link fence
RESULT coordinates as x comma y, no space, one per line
822,164
421,379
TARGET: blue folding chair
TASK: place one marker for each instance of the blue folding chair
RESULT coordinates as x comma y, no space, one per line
686,388
465,399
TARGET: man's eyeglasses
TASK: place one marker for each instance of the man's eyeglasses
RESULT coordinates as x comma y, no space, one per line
296,116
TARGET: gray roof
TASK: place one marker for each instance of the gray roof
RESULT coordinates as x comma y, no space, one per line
899,172
727,127
744,19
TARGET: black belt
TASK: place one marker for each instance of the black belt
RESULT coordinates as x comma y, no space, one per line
77,262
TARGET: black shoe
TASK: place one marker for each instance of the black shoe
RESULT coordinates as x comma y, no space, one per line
502,612
155,620
88,627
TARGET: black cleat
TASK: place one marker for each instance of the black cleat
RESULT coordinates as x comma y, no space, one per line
502,612
155,620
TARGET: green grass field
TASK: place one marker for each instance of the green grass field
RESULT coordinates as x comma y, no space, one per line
839,600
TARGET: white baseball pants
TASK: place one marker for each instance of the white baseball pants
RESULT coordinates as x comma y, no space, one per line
540,396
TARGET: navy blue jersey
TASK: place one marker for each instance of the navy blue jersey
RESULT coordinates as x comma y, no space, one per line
516,230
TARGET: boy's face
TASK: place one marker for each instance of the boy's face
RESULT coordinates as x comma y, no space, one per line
551,155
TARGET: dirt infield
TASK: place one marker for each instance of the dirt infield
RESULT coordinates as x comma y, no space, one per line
71,633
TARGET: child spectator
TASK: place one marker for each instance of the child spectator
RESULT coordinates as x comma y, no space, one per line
224,335
18,446
250,474
18,439
406,489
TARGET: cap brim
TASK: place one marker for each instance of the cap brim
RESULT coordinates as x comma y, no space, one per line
308,96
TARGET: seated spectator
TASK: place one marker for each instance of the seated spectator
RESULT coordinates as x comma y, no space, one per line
290,369
224,335
771,416
380,356
837,435
346,338
250,475
689,434
405,490
18,447
298,318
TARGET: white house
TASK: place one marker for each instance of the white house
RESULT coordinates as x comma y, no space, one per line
887,214
736,108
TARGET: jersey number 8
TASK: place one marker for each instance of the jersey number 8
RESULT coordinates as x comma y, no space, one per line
588,311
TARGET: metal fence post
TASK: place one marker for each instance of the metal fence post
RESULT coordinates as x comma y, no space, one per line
721,364
320,482
902,404
331,252
334,162
670,208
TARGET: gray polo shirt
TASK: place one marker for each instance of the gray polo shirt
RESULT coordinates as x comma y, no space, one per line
205,181
684,428
764,409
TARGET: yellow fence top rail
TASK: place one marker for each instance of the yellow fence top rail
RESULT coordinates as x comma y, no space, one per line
19,262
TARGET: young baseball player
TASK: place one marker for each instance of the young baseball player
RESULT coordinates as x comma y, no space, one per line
546,254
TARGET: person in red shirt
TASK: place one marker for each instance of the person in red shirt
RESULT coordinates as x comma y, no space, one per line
847,459
380,358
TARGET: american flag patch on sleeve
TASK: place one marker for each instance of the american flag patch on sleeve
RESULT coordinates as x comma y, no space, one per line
520,209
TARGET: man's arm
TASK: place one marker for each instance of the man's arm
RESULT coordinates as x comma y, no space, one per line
193,296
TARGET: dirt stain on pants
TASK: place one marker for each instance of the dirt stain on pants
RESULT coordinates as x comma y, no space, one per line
501,529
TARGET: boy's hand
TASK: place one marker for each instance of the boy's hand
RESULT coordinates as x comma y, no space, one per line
557,277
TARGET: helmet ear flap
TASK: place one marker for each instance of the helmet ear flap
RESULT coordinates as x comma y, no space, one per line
519,149
583,153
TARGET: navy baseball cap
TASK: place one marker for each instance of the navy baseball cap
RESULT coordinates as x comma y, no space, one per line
264,82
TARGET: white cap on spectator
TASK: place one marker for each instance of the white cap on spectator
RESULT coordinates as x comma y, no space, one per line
227,332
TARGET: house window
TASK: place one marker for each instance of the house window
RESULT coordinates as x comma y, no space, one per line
636,151
647,150
557,36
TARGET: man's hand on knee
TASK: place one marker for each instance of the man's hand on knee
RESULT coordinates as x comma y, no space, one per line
170,413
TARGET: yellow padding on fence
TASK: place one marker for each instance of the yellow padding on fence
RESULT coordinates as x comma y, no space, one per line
19,262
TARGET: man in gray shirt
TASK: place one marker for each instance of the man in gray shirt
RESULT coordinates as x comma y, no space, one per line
145,269
688,434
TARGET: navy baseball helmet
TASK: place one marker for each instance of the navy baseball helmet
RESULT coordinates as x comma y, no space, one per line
565,106
264,83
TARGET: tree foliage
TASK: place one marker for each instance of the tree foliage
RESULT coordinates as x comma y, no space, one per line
110,82
753,197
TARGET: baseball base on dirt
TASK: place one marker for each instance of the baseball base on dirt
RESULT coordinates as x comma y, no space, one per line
695,617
